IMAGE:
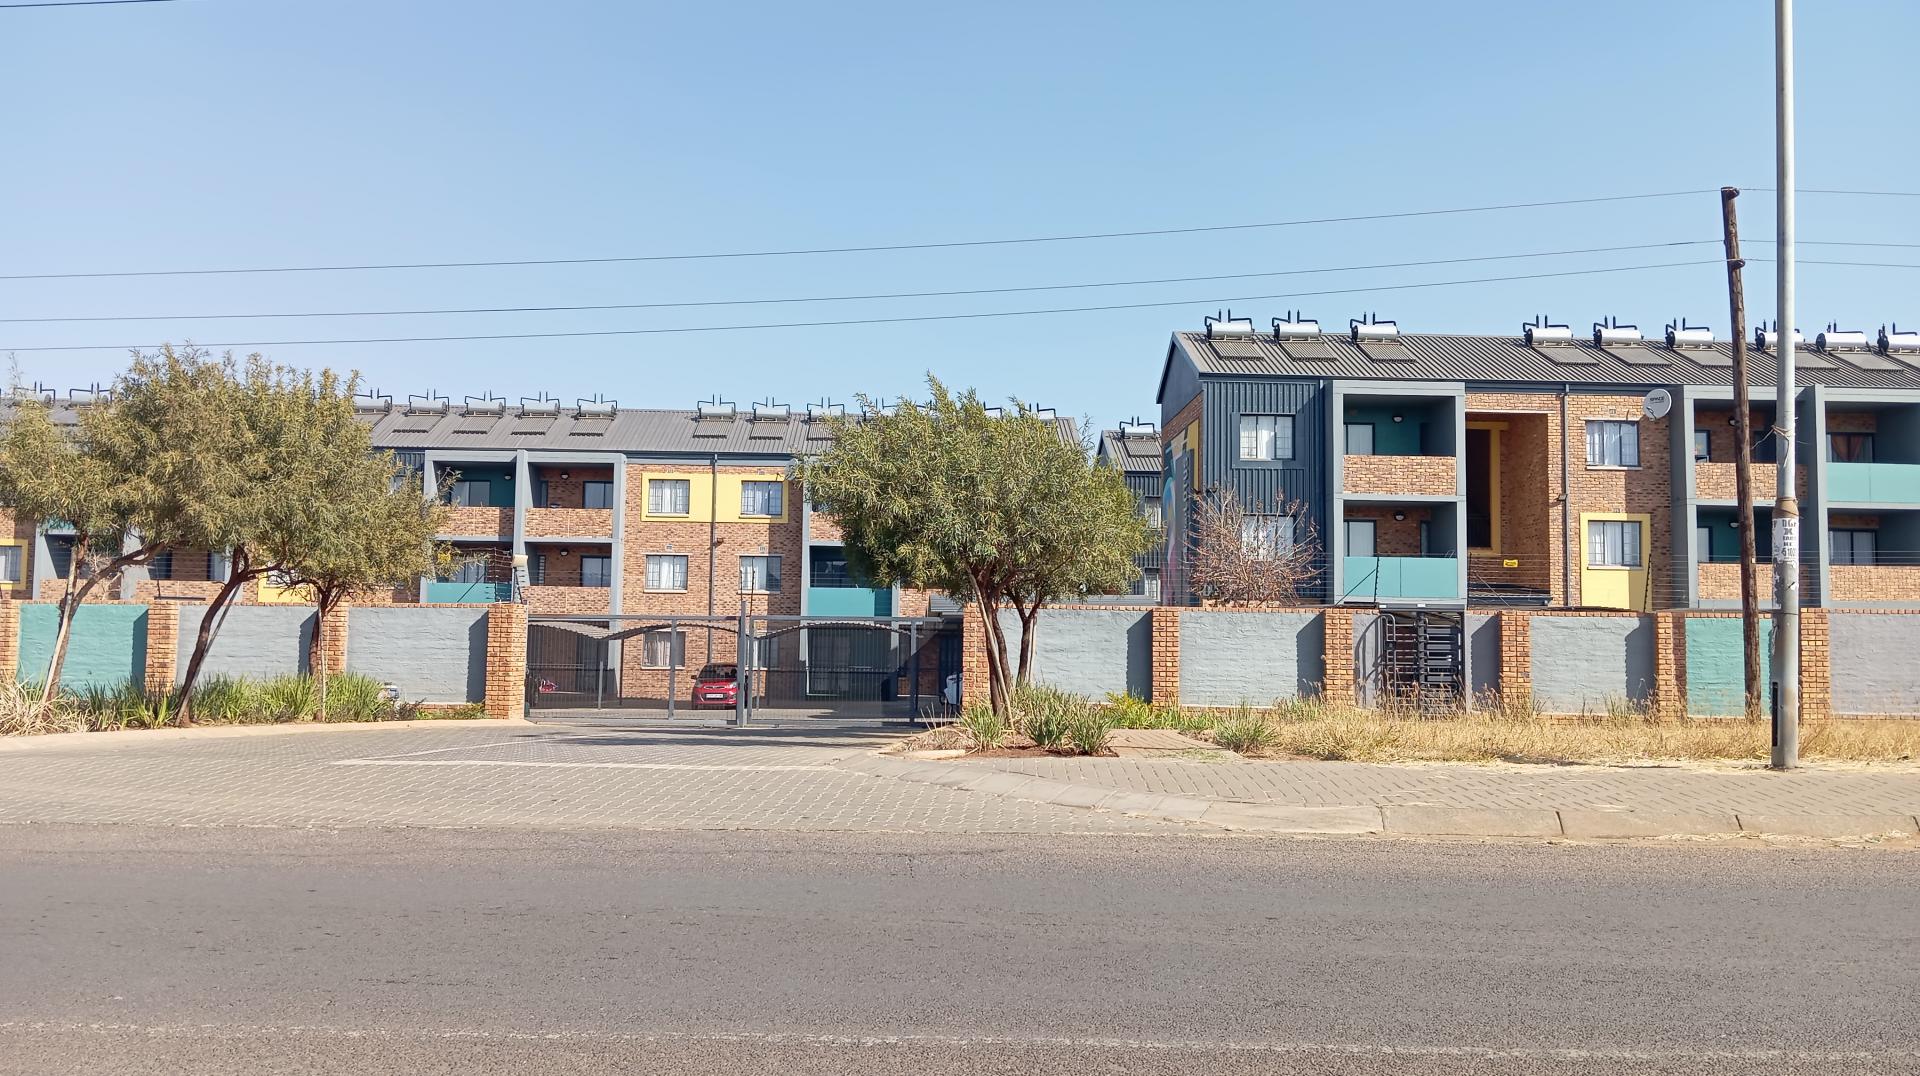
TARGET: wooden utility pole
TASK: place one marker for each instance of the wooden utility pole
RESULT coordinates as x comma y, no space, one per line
1743,459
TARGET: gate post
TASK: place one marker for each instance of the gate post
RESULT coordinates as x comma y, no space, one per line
742,678
506,691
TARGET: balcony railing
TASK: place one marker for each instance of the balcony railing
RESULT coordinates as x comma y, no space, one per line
849,601
1883,582
1392,578
488,522
1400,476
569,523
545,598
455,593
1878,483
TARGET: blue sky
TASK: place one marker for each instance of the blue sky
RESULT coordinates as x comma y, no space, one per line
216,133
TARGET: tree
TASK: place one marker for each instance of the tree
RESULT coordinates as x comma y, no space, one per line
371,530
1252,558
994,508
58,473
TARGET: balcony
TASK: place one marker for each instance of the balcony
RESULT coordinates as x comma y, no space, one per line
1873,483
570,523
1399,476
457,593
542,598
849,601
1880,583
1393,578
479,522
1716,481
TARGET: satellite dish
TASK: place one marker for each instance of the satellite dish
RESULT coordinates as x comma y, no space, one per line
1657,403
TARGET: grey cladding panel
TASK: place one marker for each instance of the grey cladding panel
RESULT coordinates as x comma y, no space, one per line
1873,667
257,642
1580,663
1227,658
1090,651
1483,654
436,655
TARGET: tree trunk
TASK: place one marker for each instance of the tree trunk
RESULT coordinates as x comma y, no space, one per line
317,658
203,641
70,600
1029,620
999,684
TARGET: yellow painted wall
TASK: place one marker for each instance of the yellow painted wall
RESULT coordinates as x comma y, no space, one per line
700,492
1615,588
272,593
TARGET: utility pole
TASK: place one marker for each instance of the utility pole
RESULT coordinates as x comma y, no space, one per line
1743,458
1786,506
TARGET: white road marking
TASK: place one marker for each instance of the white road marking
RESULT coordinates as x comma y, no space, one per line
574,765
536,739
1349,1049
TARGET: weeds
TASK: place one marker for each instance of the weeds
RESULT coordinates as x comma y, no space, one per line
1243,731
1087,730
23,714
984,727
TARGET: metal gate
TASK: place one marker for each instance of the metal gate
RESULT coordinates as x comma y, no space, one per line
649,668
1413,656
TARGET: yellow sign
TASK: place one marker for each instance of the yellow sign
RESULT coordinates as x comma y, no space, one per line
1510,563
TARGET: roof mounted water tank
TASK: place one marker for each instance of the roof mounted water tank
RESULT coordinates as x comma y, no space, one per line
598,407
1372,328
1611,331
486,405
1767,336
1682,335
540,405
1838,339
1896,340
1227,325
1137,427
428,404
825,409
372,401
770,410
1295,326
1540,332
715,408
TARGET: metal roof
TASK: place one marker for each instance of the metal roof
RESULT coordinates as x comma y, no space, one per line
1510,359
1133,453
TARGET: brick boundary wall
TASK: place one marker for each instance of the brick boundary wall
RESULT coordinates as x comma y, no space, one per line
10,640
973,657
163,647
333,642
1669,697
1337,652
1816,664
1165,666
506,690
1516,653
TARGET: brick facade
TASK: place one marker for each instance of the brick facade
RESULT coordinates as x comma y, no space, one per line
163,646
9,640
479,522
1401,475
506,689
1164,685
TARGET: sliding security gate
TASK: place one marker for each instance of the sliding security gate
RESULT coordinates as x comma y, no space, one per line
771,667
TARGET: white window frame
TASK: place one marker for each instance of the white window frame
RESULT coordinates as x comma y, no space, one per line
586,492
1608,436
1266,438
675,639
1702,452
775,491
1267,537
606,571
766,559
13,563
1348,431
1608,545
658,577
461,492
658,504
1373,536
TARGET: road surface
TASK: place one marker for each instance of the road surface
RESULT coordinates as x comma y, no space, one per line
246,951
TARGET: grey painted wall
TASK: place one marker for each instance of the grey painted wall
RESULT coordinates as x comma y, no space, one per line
1873,667
436,655
254,641
1579,662
1483,654
1230,658
1090,651
1369,647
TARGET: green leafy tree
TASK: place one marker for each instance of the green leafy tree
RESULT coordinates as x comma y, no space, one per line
991,507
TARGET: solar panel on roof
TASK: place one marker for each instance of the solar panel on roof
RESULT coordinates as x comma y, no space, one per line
765,430
421,424
1711,358
1567,356
1307,350
1237,349
590,426
712,427
1640,356
1867,360
527,427
1387,351
1807,361
476,424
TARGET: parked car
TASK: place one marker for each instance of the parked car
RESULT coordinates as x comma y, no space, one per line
715,687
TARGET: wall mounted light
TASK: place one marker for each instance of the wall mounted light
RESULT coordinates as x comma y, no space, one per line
1399,517
566,552
1399,418
563,476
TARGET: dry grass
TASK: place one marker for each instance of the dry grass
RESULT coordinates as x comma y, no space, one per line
23,714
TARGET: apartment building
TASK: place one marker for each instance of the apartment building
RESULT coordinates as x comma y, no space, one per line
1134,451
1547,468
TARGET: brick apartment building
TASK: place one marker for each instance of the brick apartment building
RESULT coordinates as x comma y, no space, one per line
1530,470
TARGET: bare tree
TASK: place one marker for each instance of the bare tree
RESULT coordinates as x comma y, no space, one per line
1252,557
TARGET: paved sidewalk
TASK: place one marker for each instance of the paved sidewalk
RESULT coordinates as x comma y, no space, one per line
1464,799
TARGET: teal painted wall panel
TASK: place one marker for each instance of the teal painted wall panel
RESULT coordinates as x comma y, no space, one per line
446,593
1886,483
1390,438
1368,578
108,645
1715,669
849,601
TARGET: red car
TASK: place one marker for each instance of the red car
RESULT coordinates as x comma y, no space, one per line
715,687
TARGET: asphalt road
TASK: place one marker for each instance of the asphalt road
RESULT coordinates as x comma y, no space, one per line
234,951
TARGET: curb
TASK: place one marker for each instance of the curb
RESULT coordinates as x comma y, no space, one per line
221,732
1385,820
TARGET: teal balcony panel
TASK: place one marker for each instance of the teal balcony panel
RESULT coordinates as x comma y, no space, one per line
1876,483
441,593
1368,578
849,601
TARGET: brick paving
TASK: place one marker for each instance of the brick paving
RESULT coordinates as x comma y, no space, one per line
1811,790
512,776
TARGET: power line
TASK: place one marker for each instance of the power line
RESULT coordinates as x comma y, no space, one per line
950,244
855,298
83,3
891,320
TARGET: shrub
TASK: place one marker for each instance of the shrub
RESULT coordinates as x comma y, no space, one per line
1128,712
23,714
983,726
1243,731
1047,728
354,697
285,698
1087,731
223,700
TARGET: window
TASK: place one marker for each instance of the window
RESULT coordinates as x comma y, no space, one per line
1852,546
1703,543
596,571
1850,448
10,564
596,494
1266,537
761,498
663,649
669,496
473,493
1359,438
1613,543
666,572
1360,538
1702,445
1266,437
829,568
1150,511
760,575
1147,586
161,566
542,496
1613,444
471,569
538,575
1426,538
